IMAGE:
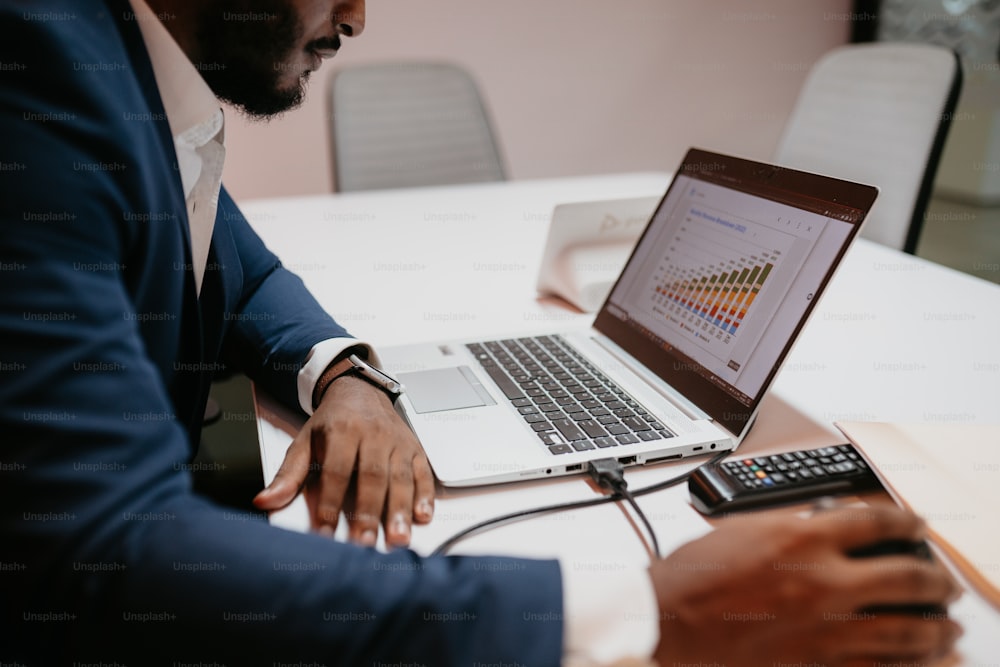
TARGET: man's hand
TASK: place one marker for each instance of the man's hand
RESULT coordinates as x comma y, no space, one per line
356,440
773,589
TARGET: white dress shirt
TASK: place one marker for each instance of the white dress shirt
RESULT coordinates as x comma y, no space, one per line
607,621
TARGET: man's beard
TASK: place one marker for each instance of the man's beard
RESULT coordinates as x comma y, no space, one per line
242,54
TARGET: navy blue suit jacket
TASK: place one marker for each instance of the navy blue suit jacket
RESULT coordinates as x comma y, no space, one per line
106,355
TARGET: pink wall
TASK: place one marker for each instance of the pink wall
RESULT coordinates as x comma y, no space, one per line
575,86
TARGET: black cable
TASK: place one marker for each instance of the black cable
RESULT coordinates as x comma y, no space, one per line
610,474
642,515
514,516
666,484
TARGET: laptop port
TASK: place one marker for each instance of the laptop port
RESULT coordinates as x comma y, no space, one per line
626,460
662,458
574,468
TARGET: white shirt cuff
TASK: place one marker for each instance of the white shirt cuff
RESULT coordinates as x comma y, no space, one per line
319,357
611,616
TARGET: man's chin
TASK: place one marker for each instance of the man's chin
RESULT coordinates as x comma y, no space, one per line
261,105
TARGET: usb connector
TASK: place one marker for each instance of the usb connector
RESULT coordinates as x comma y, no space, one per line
608,474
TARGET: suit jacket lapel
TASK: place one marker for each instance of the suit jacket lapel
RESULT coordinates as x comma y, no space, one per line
191,391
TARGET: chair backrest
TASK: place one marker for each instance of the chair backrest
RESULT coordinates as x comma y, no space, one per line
410,124
877,113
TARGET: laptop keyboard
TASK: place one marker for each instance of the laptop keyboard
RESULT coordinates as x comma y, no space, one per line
565,399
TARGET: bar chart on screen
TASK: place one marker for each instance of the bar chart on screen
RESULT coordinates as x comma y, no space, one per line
722,299
711,275
724,275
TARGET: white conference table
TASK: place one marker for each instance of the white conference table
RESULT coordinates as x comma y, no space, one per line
895,338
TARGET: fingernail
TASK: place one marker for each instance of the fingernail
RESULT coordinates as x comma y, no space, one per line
368,538
400,527
326,530
425,509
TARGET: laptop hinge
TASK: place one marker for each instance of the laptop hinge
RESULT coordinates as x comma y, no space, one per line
691,410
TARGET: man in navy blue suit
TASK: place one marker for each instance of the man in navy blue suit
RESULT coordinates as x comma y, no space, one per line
129,277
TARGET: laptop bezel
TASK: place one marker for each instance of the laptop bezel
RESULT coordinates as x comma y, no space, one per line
780,184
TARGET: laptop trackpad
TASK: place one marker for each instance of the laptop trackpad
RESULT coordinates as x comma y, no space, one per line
445,389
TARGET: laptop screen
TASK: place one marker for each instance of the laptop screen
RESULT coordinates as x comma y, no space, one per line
725,275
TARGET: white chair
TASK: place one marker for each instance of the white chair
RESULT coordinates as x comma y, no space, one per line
410,124
877,113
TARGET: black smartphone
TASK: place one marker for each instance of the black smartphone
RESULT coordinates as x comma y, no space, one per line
746,483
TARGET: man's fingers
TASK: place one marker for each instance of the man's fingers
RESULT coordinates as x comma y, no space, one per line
903,580
399,510
336,469
900,636
855,527
373,484
367,456
290,477
423,489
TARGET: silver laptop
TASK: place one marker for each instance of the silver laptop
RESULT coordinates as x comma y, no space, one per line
680,354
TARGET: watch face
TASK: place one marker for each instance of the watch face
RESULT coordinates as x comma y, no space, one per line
375,376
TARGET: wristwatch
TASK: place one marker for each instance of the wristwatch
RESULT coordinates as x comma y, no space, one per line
355,365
